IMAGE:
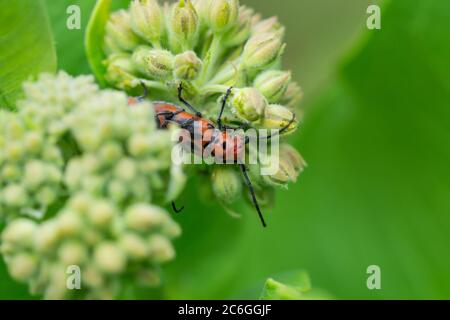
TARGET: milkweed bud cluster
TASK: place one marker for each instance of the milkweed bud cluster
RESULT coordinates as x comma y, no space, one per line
103,240
81,176
209,46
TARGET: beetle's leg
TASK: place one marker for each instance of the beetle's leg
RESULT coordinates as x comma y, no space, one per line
252,193
224,103
187,124
187,104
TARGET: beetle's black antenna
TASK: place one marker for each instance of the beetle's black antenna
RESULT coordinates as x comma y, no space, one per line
270,136
252,192
174,207
224,103
145,92
187,104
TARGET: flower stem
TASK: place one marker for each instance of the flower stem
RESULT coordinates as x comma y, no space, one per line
211,57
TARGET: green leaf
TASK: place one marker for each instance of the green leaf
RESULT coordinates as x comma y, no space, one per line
95,35
26,46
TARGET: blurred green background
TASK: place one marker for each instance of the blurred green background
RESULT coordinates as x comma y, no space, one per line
376,137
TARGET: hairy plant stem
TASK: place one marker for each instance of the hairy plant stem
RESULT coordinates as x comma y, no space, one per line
211,57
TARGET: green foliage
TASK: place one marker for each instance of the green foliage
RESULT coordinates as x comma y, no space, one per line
23,51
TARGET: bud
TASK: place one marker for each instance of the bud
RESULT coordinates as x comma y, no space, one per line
147,20
126,170
273,84
120,71
35,174
278,117
153,63
268,25
14,196
134,246
202,9
226,184
20,233
144,217
297,161
290,166
292,96
160,249
101,213
249,104
187,66
72,253
223,14
238,35
110,258
119,32
184,22
261,50
22,266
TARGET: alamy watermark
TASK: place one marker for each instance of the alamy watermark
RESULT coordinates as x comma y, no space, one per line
73,21
374,19
374,279
213,146
73,281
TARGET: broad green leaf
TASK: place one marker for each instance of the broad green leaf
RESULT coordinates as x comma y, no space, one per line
26,46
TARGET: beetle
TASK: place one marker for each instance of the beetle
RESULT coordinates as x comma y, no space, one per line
222,142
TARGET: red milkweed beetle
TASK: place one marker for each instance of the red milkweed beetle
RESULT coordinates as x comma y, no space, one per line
166,113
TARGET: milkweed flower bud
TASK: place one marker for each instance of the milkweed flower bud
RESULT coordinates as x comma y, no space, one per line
223,14
273,84
154,63
226,184
202,9
290,165
241,32
14,196
118,30
109,258
285,174
184,22
19,234
268,25
278,117
22,266
292,96
292,155
120,71
147,20
144,218
248,104
262,50
187,66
